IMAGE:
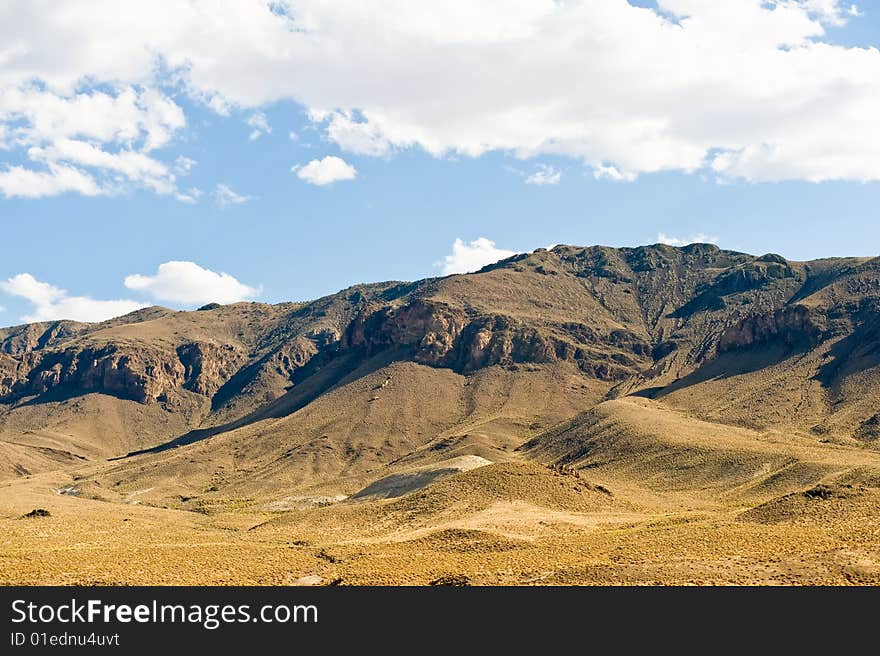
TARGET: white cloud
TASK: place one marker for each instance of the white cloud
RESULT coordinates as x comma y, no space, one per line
190,196
17,181
325,171
698,238
184,283
189,284
750,89
260,125
127,116
833,12
224,196
52,303
472,256
293,136
545,175
183,165
84,142
358,137
602,172
216,102
26,286
134,166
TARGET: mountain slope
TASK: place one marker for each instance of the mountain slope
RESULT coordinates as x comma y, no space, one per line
754,341
574,415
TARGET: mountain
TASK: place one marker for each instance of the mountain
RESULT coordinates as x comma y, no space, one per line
677,378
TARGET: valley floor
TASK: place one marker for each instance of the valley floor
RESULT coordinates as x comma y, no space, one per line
513,523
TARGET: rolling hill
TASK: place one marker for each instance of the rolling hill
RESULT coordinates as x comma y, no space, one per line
541,405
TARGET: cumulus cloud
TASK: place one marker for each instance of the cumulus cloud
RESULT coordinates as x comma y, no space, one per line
325,171
260,125
472,256
189,284
699,238
359,137
545,175
181,283
106,135
224,196
128,115
130,165
51,303
751,89
18,181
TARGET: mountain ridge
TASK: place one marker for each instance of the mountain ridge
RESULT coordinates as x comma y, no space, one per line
627,317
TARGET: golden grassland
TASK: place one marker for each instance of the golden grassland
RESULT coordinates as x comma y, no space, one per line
515,523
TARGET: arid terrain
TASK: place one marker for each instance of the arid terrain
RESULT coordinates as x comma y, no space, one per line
650,415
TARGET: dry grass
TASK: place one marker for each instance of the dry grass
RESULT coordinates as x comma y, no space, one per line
510,523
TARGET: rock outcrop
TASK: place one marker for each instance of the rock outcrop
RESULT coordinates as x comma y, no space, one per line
442,336
791,326
138,373
142,374
208,366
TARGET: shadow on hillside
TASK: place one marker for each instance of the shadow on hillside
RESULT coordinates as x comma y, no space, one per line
236,384
396,485
317,378
853,354
726,365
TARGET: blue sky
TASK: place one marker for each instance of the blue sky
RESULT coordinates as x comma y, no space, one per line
418,179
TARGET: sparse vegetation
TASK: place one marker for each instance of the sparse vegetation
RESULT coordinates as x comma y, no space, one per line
578,415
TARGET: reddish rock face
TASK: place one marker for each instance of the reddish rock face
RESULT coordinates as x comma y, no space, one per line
431,328
447,337
208,366
137,373
790,325
141,375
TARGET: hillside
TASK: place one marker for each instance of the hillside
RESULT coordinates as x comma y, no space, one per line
678,380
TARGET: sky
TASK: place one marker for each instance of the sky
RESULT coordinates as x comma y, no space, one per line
185,152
